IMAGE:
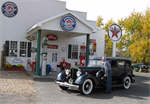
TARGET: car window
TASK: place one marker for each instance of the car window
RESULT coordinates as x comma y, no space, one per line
127,65
121,63
95,63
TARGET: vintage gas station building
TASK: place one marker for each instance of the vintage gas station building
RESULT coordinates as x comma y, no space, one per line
38,30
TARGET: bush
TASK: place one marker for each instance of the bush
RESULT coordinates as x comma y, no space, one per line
8,65
20,66
14,66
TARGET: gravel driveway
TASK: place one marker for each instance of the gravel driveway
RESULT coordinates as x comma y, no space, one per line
19,88
16,87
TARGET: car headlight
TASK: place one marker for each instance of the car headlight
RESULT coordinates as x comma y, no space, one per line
78,73
67,71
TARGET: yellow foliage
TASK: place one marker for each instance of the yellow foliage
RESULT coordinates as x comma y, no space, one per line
8,65
99,22
140,51
20,65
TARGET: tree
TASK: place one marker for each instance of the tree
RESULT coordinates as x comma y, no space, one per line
99,22
136,39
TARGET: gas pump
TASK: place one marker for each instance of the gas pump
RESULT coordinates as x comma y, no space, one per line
82,55
44,62
44,57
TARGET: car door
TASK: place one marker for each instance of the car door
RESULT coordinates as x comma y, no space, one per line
121,67
114,69
128,67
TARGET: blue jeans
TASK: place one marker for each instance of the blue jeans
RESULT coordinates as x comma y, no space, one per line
109,82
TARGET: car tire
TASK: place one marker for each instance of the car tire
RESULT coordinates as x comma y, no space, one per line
126,82
63,87
87,87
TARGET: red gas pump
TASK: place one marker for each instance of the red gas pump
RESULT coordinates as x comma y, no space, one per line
82,55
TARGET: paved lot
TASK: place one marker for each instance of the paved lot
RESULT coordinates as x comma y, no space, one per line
49,93
16,88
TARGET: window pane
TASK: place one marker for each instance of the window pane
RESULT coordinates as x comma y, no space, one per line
121,63
13,48
74,55
23,46
74,51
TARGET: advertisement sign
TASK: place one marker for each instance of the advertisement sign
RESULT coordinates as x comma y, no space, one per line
115,32
68,23
52,46
51,37
9,9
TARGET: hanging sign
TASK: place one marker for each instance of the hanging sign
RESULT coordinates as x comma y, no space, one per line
9,9
51,37
52,46
68,23
115,32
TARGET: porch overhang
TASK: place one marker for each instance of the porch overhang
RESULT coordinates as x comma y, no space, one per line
53,24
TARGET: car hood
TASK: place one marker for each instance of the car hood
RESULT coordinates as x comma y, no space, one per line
90,69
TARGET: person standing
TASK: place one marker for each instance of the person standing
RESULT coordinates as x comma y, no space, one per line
108,75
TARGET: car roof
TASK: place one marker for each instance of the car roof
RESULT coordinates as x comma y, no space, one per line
113,58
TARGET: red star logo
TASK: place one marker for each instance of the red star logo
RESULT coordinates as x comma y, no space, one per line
115,32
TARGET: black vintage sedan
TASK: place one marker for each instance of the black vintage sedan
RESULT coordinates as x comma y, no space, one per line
85,79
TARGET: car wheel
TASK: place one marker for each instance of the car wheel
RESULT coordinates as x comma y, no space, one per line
126,82
63,87
87,87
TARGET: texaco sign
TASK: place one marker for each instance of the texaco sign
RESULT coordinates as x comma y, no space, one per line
114,32
9,9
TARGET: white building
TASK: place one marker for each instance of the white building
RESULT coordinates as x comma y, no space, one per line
22,20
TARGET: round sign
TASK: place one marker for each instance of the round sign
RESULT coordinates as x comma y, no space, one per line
9,9
114,32
68,23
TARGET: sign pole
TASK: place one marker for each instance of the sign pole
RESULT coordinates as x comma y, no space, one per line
114,49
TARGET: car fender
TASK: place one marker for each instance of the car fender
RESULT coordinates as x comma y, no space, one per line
124,75
81,79
61,76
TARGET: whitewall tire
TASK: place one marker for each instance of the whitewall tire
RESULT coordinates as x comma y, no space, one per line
87,87
126,82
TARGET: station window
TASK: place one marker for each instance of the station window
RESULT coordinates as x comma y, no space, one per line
23,46
25,49
73,51
12,48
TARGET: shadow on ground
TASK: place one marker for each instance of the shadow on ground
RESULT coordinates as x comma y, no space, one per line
140,91
14,75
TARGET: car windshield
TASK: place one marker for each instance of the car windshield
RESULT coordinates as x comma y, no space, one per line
95,63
